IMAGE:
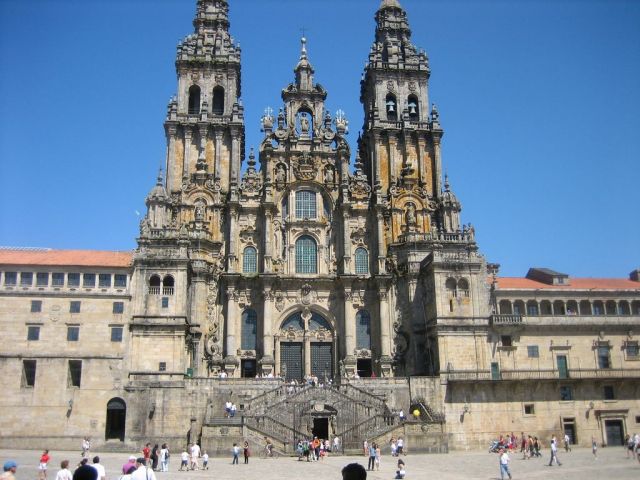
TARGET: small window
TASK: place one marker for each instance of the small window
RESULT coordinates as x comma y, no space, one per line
57,279
506,340
362,261
119,280
33,333
533,351
42,279
632,350
26,279
104,280
28,373
608,392
162,366
566,393
89,280
529,409
118,307
116,334
604,361
73,280
637,418
10,278
36,306
74,306
75,373
165,302
73,333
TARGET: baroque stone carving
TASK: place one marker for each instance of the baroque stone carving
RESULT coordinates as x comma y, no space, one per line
304,167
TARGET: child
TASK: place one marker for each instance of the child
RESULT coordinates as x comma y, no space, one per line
44,460
184,460
400,473
205,461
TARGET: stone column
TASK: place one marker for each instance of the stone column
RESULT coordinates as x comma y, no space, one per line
438,173
233,319
267,361
349,334
346,261
307,355
198,311
231,254
187,150
202,154
171,131
218,152
381,248
268,241
385,340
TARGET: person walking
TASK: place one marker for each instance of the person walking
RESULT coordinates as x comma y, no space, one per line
594,447
247,453
235,451
567,443
504,464
86,447
554,452
42,467
184,460
155,451
372,457
164,458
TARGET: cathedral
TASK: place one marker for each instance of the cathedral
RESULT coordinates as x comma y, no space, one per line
297,265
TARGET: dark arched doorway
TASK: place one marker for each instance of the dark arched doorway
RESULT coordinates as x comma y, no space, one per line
116,419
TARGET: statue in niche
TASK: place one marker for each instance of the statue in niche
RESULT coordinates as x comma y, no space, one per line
410,217
280,174
328,175
304,124
199,213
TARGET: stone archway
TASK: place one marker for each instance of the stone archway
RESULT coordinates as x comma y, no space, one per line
305,345
116,419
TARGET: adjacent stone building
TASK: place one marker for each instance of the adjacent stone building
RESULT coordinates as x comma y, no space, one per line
309,266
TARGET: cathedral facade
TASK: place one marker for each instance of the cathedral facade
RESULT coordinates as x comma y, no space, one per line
359,274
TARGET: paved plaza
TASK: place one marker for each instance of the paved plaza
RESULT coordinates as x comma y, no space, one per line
579,464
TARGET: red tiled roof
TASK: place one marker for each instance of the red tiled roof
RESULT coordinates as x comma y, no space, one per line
71,258
518,283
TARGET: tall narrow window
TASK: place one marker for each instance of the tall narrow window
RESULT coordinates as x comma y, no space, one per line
75,373
168,284
249,332
218,101
194,100
452,288
116,334
33,333
28,373
306,255
305,204
363,330
154,285
362,261
604,361
73,333
250,260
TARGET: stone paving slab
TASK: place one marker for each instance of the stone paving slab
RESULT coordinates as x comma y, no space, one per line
577,465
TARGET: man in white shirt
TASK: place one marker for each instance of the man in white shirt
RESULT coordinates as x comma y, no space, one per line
102,474
554,451
143,472
567,443
195,456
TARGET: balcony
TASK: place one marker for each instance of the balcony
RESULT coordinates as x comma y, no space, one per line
507,320
541,374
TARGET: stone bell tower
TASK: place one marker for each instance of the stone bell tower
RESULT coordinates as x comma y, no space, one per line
185,242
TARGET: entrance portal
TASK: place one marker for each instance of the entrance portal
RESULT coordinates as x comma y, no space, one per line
248,368
291,362
570,430
321,428
116,419
615,432
364,367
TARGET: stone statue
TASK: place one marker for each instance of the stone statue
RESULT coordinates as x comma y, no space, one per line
410,216
280,174
304,124
199,212
343,370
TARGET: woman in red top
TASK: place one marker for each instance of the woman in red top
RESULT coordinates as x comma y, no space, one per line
42,468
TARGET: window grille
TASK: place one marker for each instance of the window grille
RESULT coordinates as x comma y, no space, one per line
305,204
362,261
249,332
250,260
306,255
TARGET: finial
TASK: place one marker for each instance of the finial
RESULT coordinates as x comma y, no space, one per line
446,183
159,181
303,53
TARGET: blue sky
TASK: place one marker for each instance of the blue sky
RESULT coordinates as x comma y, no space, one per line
539,101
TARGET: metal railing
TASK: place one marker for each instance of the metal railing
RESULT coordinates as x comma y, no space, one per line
542,374
507,319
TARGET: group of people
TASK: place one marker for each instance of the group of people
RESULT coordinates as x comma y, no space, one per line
632,443
316,449
190,458
230,409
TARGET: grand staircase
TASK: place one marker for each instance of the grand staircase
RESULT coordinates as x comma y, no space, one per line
286,414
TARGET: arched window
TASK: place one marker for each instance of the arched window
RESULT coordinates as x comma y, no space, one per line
452,287
505,307
585,307
294,322
218,101
545,307
116,419
317,322
572,307
612,308
598,308
623,308
532,308
362,261
194,100
250,260
391,107
154,285
463,287
168,285
306,255
518,307
414,108
559,308
363,330
306,204
635,307
249,333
